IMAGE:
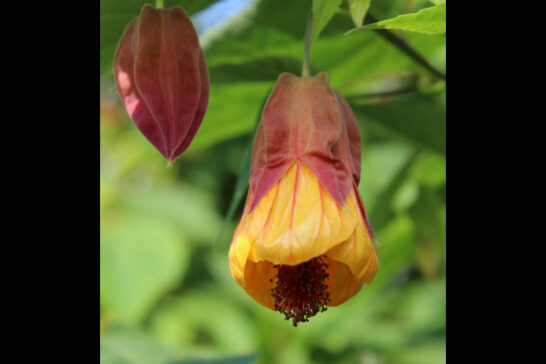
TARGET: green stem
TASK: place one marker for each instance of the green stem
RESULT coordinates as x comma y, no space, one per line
397,92
306,71
159,4
401,44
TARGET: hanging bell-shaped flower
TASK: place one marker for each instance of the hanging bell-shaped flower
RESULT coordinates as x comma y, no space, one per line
304,241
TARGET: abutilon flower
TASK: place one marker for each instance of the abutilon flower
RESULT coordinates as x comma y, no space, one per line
304,241
162,78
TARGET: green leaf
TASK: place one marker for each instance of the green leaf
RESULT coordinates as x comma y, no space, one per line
358,9
260,69
428,21
231,112
421,120
323,11
127,347
140,260
382,84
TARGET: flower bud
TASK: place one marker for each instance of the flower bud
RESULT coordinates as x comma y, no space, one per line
162,77
304,241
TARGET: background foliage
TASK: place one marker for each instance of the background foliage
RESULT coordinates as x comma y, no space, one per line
167,295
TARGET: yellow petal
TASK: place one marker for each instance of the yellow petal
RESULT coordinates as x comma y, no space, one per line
238,257
297,220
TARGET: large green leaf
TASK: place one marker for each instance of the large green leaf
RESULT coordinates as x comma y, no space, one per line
420,120
271,28
231,112
141,258
428,21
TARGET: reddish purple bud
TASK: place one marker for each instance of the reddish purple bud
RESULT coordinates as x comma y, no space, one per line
306,119
162,77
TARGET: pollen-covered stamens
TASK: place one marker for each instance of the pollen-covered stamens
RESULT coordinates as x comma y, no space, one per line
299,291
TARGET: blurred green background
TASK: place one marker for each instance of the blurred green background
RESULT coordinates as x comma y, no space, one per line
166,292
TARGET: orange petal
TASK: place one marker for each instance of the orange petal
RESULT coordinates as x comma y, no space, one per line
342,284
258,284
357,252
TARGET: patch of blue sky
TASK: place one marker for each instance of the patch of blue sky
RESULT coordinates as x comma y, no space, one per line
218,14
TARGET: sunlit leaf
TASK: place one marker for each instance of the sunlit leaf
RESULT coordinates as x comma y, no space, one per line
428,21
358,9
323,10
